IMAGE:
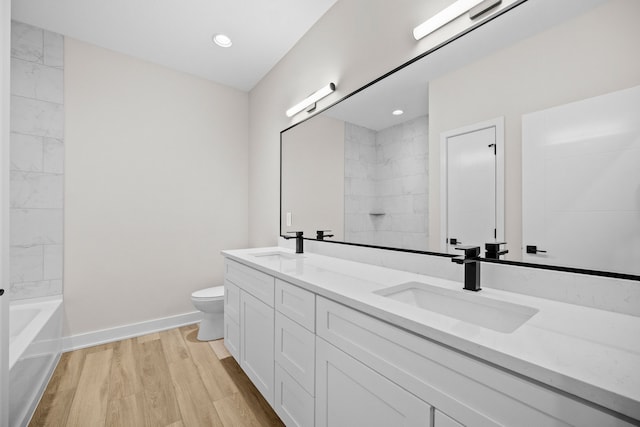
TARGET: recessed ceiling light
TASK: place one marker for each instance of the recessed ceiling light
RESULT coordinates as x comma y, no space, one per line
222,40
397,112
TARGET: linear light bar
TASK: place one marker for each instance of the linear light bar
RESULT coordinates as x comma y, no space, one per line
444,17
311,99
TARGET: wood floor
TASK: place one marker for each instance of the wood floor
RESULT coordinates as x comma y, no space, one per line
163,379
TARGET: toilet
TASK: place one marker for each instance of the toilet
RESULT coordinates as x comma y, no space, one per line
211,302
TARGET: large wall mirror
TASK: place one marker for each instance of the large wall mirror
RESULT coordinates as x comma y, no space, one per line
525,130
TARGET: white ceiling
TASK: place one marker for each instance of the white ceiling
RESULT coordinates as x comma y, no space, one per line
177,33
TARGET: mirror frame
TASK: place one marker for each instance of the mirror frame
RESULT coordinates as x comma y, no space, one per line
610,274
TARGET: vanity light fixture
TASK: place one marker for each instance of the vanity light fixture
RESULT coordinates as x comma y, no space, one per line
311,100
460,7
397,112
222,40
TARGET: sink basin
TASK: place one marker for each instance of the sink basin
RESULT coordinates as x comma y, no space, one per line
277,255
496,315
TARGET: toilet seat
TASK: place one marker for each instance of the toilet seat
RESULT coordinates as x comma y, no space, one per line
213,293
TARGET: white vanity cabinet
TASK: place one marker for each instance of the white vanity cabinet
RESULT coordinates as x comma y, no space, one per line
252,337
321,363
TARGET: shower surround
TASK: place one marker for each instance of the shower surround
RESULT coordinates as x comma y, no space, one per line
37,161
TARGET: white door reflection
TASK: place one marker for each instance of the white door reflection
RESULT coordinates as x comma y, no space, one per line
581,177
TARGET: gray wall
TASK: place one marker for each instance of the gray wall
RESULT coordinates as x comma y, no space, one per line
37,162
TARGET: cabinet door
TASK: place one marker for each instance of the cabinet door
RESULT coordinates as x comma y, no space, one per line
349,393
232,337
256,343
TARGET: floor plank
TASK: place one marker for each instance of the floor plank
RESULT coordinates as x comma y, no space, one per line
259,407
146,338
195,406
215,378
173,345
219,349
69,369
159,394
53,409
234,411
89,405
127,411
124,378
101,347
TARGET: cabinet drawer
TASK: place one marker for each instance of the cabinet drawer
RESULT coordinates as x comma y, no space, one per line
295,351
232,301
293,404
471,391
232,337
297,304
257,283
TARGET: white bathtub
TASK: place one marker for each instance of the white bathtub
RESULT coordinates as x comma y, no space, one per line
34,350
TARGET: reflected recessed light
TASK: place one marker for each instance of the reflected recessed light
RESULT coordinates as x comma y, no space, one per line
397,112
222,40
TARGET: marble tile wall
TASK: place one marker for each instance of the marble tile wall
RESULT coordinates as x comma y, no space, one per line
402,184
386,185
359,184
37,161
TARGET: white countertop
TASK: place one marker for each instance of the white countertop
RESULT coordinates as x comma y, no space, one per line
590,353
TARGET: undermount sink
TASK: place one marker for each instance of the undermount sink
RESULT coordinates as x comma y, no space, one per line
488,313
277,255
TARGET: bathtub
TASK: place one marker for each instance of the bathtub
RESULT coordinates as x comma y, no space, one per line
35,331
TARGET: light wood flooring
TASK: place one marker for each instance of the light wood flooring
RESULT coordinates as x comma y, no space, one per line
164,379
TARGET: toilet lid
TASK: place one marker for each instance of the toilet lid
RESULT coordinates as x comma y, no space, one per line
214,292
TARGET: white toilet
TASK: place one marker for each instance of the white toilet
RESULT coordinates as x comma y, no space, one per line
211,302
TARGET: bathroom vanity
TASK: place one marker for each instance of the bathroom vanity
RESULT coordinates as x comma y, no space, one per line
331,342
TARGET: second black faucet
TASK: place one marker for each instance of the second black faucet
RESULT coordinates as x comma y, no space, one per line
471,267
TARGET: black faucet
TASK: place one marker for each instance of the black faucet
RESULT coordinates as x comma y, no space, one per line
471,267
320,234
493,250
299,240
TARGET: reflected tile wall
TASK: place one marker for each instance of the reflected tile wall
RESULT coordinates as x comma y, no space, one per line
402,183
386,172
37,161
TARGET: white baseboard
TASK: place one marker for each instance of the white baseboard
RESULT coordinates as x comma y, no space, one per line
103,336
